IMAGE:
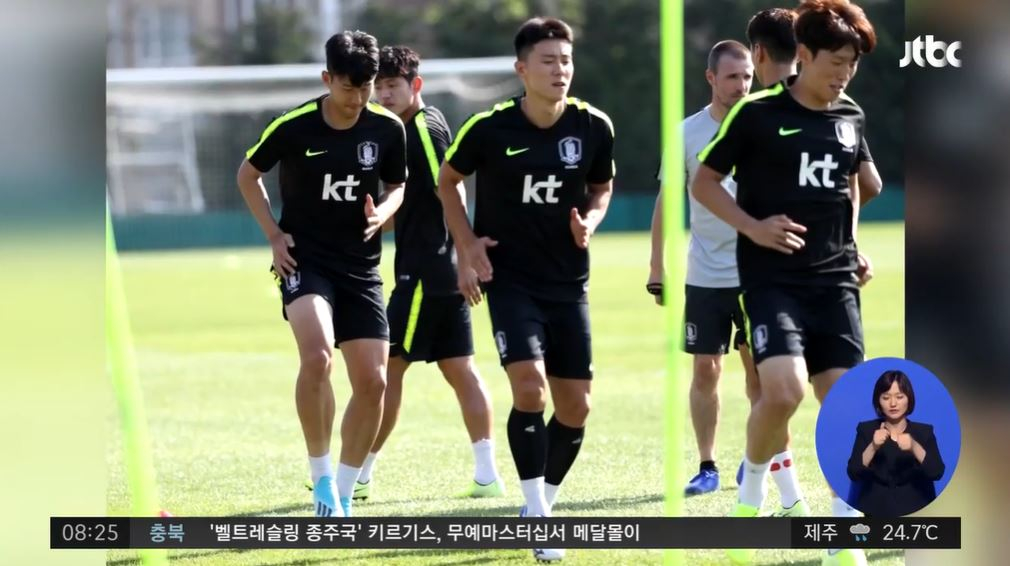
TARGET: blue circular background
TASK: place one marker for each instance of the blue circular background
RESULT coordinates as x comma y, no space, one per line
848,404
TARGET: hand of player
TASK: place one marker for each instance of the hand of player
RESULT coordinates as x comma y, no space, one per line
880,436
469,284
655,287
373,222
864,269
475,256
778,233
284,263
904,441
580,229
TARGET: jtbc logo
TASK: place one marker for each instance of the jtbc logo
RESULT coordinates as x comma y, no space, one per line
331,189
914,51
531,190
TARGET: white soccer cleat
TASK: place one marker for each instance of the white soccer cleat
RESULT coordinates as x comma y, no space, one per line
548,554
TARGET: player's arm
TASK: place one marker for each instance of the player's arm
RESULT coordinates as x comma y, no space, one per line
471,251
870,184
864,267
377,216
250,184
657,265
584,226
777,232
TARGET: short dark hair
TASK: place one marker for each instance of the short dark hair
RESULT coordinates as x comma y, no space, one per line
884,383
773,30
353,54
536,30
833,24
726,47
398,61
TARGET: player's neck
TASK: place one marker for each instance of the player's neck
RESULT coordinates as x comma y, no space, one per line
335,119
540,112
804,94
778,72
412,110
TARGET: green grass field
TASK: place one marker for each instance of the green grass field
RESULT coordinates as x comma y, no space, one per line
217,366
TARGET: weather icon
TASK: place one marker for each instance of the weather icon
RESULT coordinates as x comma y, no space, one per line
859,531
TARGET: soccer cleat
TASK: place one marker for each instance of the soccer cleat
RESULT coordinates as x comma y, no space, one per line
799,509
493,489
522,511
548,554
362,491
706,481
739,474
742,555
323,499
844,557
345,505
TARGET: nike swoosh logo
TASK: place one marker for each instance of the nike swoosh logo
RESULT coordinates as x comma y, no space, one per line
530,428
310,153
510,152
785,132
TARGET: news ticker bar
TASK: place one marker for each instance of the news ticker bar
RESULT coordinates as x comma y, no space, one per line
502,532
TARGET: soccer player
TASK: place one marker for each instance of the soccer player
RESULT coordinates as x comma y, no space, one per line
544,165
429,320
773,45
712,306
795,149
333,152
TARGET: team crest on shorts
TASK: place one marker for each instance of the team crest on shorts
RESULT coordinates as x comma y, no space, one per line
846,133
760,338
368,154
499,340
691,333
293,281
570,149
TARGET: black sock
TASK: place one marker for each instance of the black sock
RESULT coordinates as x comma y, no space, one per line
708,465
528,441
563,443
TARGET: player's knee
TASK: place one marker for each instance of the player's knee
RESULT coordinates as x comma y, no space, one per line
707,368
530,392
316,365
371,388
575,411
783,399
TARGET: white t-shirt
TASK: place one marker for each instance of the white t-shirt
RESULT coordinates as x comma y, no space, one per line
711,255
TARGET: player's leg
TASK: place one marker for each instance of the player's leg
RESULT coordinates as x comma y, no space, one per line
569,363
452,347
836,346
519,332
366,360
395,372
310,317
783,466
475,404
362,334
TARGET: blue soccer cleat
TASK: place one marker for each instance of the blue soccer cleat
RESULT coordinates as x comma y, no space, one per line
323,500
706,481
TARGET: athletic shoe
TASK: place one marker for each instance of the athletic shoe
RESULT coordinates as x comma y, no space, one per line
522,511
739,474
345,504
323,500
799,509
548,554
742,555
493,489
844,557
362,491
706,481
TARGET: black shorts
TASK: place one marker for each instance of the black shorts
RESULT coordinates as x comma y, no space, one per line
529,328
822,324
359,310
425,328
709,317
